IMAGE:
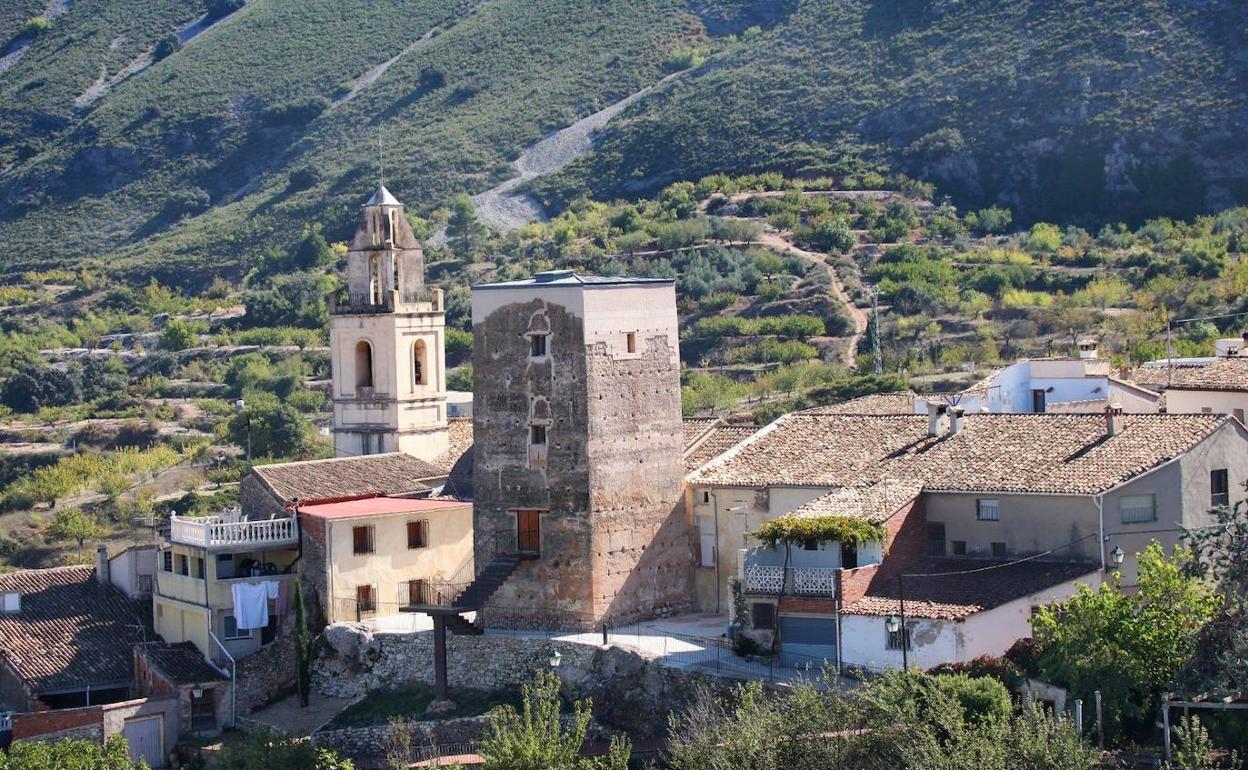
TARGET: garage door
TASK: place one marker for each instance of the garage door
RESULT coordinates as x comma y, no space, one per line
145,737
807,640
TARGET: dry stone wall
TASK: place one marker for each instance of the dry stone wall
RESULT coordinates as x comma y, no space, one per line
631,691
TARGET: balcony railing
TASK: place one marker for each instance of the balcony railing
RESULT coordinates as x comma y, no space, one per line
219,532
802,581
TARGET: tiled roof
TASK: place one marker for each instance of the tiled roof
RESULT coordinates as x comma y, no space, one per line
899,402
182,663
1229,374
71,631
378,506
1157,376
572,278
1053,453
459,429
713,440
339,478
874,502
981,585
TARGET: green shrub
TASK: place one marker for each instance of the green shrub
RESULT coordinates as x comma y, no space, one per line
36,25
983,699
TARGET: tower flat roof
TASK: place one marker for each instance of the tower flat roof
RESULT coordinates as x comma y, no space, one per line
573,279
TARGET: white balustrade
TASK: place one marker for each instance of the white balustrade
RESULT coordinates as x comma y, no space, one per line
213,531
764,580
814,581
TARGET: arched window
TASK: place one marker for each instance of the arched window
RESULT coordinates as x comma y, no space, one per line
374,280
420,366
363,364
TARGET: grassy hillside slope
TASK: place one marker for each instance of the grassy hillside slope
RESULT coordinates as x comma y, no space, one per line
1060,110
1072,110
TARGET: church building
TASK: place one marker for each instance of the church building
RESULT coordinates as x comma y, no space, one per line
386,337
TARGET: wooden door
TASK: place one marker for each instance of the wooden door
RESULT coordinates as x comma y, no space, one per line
528,532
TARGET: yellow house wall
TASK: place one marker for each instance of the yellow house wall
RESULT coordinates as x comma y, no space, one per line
180,622
393,563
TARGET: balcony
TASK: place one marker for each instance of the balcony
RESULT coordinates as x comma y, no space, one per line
220,532
799,581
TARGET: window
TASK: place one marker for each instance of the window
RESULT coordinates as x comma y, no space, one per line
936,538
418,534
362,539
418,363
959,547
537,345
706,496
1037,401
1136,508
897,638
225,566
537,435
203,712
184,564
1219,488
145,584
810,544
631,342
1206,410
763,615
230,626
197,568
998,550
365,599
363,364
988,510
166,561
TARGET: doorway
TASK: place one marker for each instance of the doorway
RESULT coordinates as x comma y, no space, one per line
528,532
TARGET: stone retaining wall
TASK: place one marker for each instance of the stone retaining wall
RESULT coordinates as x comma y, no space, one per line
631,690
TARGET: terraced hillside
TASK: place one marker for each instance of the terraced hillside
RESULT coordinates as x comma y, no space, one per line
136,133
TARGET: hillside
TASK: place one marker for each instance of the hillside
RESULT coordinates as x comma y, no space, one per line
194,164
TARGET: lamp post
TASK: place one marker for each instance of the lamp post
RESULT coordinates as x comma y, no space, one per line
556,658
896,625
239,407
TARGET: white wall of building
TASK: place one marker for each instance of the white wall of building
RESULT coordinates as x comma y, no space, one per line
1216,401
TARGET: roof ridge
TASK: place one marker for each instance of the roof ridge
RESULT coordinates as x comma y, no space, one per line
331,460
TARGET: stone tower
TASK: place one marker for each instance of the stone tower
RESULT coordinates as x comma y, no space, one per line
386,337
577,428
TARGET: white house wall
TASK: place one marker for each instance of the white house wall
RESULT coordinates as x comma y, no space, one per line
864,642
1195,401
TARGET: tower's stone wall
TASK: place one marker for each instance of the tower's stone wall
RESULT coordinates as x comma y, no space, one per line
615,542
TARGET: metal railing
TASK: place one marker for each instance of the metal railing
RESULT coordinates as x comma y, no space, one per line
347,302
802,581
214,531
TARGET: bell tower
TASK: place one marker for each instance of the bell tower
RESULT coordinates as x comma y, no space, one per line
386,334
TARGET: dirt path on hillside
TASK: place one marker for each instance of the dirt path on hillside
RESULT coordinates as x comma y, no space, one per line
504,208
859,316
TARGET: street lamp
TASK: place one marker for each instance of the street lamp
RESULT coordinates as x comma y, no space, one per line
897,625
1117,555
555,659
239,406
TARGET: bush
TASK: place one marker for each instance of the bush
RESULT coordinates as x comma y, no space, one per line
295,113
993,219
460,379
36,25
39,387
168,45
80,755
458,340
1044,238
179,334
983,699
217,9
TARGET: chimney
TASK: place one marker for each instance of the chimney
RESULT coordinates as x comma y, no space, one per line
1113,419
1088,349
958,421
101,565
937,413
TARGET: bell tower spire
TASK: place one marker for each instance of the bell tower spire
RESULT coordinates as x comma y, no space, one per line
387,334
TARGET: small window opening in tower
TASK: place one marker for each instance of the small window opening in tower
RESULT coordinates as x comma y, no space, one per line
374,281
363,364
537,435
632,342
418,363
537,345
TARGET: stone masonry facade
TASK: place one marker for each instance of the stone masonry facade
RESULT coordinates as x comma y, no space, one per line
615,544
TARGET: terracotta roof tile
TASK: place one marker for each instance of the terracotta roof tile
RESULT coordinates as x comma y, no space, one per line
714,441
182,663
71,631
460,431
339,478
873,502
899,402
1059,454
1228,374
929,594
